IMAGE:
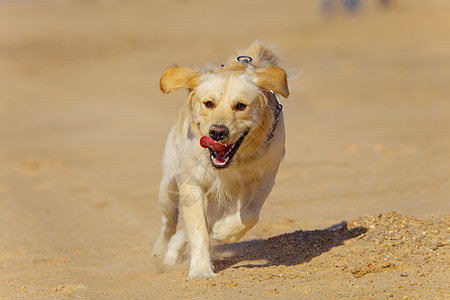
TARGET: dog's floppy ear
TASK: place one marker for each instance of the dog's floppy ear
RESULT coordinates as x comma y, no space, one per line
272,78
179,78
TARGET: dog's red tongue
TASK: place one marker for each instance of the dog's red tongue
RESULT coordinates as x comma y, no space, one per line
206,142
220,149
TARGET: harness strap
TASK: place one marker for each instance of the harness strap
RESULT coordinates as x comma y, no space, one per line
277,109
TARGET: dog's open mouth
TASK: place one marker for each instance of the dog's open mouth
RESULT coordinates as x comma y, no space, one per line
221,154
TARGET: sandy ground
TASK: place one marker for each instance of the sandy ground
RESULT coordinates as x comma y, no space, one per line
362,201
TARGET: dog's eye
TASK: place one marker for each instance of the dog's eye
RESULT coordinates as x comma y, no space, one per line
240,106
208,104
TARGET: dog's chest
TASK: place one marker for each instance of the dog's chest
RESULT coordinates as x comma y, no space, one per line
223,188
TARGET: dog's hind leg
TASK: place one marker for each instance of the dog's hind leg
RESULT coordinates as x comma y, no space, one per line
168,201
176,247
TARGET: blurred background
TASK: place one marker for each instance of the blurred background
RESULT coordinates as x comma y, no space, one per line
83,123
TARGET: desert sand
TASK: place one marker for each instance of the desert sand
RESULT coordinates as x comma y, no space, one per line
362,200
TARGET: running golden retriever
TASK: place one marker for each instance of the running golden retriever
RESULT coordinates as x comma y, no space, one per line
222,155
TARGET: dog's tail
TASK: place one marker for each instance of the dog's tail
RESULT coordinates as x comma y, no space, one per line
262,55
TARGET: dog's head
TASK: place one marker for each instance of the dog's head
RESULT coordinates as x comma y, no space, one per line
229,108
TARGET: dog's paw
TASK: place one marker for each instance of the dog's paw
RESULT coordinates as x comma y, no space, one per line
201,270
229,229
175,248
159,249
171,257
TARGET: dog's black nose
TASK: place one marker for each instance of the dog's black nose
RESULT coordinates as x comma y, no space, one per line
218,132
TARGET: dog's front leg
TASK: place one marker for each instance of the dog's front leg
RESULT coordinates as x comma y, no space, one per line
191,207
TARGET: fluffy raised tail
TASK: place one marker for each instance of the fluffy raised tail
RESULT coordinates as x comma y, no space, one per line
262,55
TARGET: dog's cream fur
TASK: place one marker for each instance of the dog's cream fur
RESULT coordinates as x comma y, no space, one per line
221,203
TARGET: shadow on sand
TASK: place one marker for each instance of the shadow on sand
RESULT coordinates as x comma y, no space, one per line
288,249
